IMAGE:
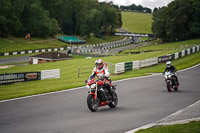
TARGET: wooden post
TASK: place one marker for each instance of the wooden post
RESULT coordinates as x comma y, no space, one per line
78,71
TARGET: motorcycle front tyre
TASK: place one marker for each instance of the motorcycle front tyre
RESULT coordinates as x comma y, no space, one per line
114,102
169,87
91,103
176,88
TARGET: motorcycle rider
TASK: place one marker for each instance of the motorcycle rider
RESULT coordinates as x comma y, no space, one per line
172,69
101,70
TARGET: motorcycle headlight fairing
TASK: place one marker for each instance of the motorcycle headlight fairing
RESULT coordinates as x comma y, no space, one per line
93,86
87,86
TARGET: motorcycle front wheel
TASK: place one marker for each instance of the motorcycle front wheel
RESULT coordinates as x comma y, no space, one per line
91,103
176,88
114,102
169,87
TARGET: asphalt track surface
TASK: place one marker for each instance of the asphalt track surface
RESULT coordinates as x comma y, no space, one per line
141,101
13,59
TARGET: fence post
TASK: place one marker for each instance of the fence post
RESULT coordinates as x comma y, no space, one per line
78,71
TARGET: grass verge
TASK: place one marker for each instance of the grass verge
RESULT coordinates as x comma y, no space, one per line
137,22
173,47
192,127
12,44
69,74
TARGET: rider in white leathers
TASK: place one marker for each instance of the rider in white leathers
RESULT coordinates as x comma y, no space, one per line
101,70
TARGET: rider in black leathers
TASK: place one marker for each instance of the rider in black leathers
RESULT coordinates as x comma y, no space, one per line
172,69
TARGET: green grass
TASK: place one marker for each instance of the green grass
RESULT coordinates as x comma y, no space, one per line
192,127
69,74
12,44
167,47
94,40
137,22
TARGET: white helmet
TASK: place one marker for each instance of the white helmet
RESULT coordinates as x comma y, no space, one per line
99,63
168,63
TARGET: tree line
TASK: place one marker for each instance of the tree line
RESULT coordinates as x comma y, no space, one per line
138,8
180,20
43,18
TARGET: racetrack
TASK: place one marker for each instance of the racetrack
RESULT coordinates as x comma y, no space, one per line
141,101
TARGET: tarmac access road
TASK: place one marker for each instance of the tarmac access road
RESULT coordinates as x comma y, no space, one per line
141,101
10,60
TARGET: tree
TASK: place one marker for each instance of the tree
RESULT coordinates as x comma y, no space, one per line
159,23
37,21
179,21
48,17
91,23
139,8
179,12
195,21
110,18
155,9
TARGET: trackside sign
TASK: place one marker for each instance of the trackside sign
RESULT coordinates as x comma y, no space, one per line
131,34
19,77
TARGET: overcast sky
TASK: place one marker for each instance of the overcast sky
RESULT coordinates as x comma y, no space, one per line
145,3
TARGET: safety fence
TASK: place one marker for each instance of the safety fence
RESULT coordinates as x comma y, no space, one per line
128,66
32,51
9,78
80,49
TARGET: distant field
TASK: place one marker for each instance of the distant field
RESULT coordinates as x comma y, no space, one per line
167,47
11,44
18,44
137,22
69,72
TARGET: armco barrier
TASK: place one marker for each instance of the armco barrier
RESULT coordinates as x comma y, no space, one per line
172,56
183,53
176,56
49,74
163,59
31,51
19,77
10,78
136,65
123,67
179,54
128,66
148,62
120,67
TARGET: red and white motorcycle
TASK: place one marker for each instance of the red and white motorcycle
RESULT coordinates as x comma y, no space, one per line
99,96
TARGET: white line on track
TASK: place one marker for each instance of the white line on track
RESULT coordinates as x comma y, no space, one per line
84,86
159,123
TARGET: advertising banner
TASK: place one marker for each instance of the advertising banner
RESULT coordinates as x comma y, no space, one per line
19,77
128,34
163,59
148,62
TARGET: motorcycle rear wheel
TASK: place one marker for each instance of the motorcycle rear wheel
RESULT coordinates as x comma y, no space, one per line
114,102
91,103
